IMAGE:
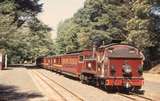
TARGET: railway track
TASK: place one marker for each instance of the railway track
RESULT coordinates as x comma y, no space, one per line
42,76
136,97
132,96
62,97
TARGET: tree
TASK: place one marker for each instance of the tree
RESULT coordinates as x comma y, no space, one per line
98,18
67,37
21,33
138,27
143,31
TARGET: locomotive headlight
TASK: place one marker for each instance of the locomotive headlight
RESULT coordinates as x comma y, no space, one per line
89,65
127,69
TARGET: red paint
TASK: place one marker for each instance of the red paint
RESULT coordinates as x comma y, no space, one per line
121,82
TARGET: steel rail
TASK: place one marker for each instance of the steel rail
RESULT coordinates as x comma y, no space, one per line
78,97
63,98
136,95
126,96
142,97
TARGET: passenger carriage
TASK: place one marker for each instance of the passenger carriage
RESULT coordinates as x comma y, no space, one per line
72,63
56,63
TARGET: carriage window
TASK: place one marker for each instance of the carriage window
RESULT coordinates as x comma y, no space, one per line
80,58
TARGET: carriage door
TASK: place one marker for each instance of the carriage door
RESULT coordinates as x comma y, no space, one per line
80,63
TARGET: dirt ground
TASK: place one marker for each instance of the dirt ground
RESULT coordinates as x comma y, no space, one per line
152,85
18,84
152,77
155,69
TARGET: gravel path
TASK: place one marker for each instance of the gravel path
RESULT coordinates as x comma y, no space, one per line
152,85
17,85
152,90
152,77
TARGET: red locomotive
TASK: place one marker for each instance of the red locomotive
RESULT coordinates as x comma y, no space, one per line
111,66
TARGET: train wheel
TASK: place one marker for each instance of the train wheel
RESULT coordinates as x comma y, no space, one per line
138,90
82,78
102,84
111,89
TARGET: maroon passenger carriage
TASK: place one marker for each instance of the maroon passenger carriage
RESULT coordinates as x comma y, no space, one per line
112,66
69,63
72,63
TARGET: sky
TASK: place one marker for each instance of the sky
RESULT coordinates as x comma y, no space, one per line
55,11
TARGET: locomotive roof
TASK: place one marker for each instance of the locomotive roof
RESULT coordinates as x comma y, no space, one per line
124,52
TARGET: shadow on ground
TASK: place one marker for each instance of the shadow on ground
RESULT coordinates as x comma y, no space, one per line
7,69
10,93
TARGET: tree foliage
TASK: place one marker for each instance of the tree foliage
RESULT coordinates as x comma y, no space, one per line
131,21
139,27
98,19
21,33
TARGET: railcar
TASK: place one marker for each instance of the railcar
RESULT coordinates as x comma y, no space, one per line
72,63
69,63
46,63
56,64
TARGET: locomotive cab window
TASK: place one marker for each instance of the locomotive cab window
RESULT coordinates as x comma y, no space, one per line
81,58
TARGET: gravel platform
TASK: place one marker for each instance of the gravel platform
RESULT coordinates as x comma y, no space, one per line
20,84
17,85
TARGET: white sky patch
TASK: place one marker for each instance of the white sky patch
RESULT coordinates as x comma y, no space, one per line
55,11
